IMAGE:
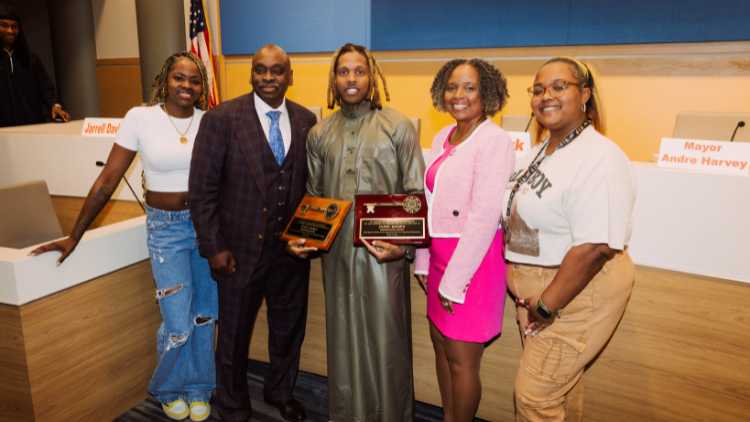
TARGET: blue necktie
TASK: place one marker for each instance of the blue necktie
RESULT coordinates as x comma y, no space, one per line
274,137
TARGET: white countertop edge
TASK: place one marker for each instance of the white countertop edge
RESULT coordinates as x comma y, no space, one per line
101,251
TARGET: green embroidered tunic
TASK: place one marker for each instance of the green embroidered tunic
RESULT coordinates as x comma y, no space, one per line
368,307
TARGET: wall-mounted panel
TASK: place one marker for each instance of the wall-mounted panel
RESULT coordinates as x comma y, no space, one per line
297,26
116,29
424,24
119,83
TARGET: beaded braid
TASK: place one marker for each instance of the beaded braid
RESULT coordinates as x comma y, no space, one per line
333,98
159,86
493,88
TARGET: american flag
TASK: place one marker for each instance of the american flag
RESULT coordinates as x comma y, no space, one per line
200,45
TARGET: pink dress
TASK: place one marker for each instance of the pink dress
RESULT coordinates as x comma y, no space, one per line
480,318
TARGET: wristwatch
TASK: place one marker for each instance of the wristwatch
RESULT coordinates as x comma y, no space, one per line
543,310
408,254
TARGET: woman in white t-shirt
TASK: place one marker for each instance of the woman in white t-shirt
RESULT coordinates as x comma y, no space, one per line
163,133
568,215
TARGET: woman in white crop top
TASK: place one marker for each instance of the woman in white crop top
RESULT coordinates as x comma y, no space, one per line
163,133
568,215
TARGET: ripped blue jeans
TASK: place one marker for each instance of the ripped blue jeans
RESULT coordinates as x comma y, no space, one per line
188,304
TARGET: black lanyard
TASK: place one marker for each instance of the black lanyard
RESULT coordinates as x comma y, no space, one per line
537,161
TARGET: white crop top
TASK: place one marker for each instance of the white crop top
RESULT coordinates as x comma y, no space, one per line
166,162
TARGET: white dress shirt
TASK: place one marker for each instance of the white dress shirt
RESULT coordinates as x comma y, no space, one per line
286,127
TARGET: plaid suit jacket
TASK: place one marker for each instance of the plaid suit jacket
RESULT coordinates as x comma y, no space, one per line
227,187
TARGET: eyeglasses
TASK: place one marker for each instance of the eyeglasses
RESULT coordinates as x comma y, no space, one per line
557,88
12,26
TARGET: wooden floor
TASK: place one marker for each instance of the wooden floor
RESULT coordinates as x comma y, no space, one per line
311,390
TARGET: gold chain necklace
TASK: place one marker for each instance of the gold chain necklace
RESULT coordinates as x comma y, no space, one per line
183,135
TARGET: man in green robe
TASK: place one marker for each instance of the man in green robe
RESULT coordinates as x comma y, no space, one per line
365,148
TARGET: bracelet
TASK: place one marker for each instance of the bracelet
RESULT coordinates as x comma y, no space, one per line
543,310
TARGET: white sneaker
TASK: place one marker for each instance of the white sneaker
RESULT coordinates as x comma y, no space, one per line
176,410
199,411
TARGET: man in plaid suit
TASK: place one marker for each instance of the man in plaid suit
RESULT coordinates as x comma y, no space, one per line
247,175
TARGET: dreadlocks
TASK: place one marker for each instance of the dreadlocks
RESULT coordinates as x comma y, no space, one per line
159,87
375,73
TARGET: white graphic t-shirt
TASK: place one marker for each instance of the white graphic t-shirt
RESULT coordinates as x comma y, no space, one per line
582,193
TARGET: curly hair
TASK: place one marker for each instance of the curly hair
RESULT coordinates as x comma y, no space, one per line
493,89
373,95
586,78
159,86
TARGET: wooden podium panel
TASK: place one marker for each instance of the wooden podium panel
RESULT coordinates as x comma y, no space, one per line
82,354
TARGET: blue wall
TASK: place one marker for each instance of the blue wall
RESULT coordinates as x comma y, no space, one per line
297,26
324,25
423,24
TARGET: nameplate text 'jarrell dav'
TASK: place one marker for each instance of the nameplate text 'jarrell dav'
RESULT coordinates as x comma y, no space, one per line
100,127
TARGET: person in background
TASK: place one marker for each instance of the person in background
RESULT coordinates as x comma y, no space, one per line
163,132
248,174
27,95
569,215
364,148
464,267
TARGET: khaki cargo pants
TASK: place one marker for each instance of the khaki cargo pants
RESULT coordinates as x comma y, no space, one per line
549,383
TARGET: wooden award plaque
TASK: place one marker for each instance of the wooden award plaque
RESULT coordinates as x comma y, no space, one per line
397,218
317,220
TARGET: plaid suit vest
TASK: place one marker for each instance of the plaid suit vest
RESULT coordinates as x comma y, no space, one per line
277,208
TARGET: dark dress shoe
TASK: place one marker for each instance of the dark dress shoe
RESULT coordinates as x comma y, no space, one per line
291,410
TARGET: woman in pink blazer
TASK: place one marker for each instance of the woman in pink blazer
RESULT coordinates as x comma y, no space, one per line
463,271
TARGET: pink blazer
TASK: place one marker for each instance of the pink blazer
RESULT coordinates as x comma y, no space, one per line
467,201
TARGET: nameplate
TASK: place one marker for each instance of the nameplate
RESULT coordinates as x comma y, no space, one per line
521,143
719,157
100,127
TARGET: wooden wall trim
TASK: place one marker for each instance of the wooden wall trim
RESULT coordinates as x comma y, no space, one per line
508,54
119,83
120,61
